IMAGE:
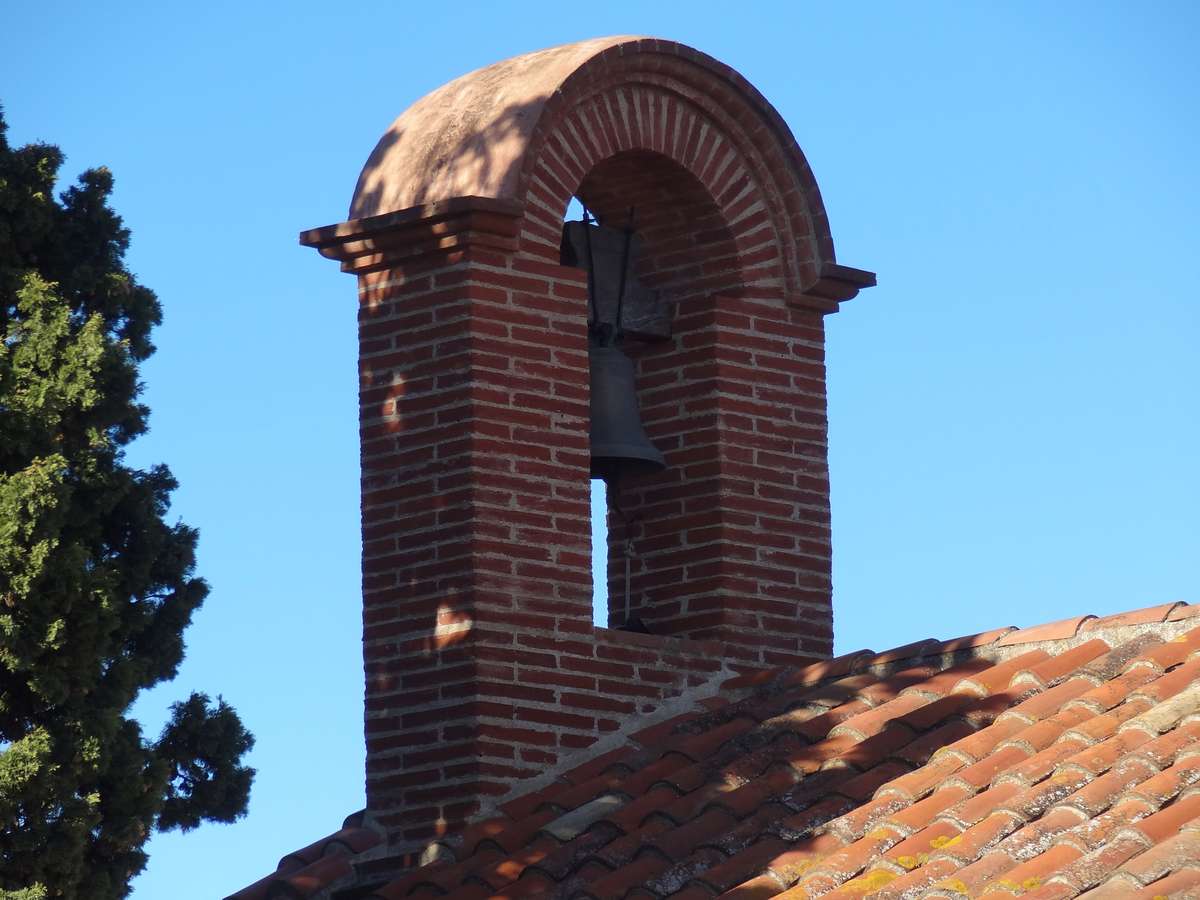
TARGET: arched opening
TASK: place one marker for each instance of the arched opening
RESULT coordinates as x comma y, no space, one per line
690,249
599,504
688,256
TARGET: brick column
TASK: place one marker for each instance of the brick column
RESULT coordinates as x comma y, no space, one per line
475,506
732,541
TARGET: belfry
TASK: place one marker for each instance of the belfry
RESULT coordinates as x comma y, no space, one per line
695,301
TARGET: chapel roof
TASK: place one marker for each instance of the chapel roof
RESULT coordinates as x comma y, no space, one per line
1055,761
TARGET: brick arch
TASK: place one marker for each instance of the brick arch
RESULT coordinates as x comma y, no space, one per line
688,247
530,128
666,99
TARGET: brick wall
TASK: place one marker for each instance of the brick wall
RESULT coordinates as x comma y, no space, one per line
482,665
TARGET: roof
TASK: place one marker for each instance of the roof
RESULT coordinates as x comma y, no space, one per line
1048,762
468,137
484,134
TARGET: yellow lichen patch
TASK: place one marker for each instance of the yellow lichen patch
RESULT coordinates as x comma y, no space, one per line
793,871
906,861
953,884
864,884
939,842
1005,884
878,834
1030,883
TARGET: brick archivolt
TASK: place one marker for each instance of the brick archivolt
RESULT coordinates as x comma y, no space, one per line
529,130
709,126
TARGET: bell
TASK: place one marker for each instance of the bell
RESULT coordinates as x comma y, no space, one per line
619,442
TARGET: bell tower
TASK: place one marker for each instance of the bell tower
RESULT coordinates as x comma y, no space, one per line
489,353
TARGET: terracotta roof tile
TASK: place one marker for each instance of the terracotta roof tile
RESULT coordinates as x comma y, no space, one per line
1168,820
922,749
1055,761
605,762
924,811
630,875
789,866
1171,683
941,681
1145,616
915,650
846,664
973,811
1013,880
1099,862
562,862
1052,670
815,725
1050,631
1157,861
915,849
1183,611
927,874
304,872
872,721
1165,656
1099,795
1183,884
1055,890
971,641
743,865
655,734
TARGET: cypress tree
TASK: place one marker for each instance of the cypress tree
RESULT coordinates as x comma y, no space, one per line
96,587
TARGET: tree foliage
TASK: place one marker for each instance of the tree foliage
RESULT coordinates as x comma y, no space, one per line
96,588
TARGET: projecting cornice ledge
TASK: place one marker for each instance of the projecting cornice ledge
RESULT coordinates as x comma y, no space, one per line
834,286
444,226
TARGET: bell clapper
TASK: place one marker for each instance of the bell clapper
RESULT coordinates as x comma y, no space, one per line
628,560
613,491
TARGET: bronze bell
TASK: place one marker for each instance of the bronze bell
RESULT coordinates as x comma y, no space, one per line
619,442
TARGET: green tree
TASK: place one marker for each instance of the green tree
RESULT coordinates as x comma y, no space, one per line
96,588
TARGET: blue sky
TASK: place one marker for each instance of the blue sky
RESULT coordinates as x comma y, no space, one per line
1014,415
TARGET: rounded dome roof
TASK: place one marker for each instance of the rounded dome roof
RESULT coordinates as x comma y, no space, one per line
468,137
